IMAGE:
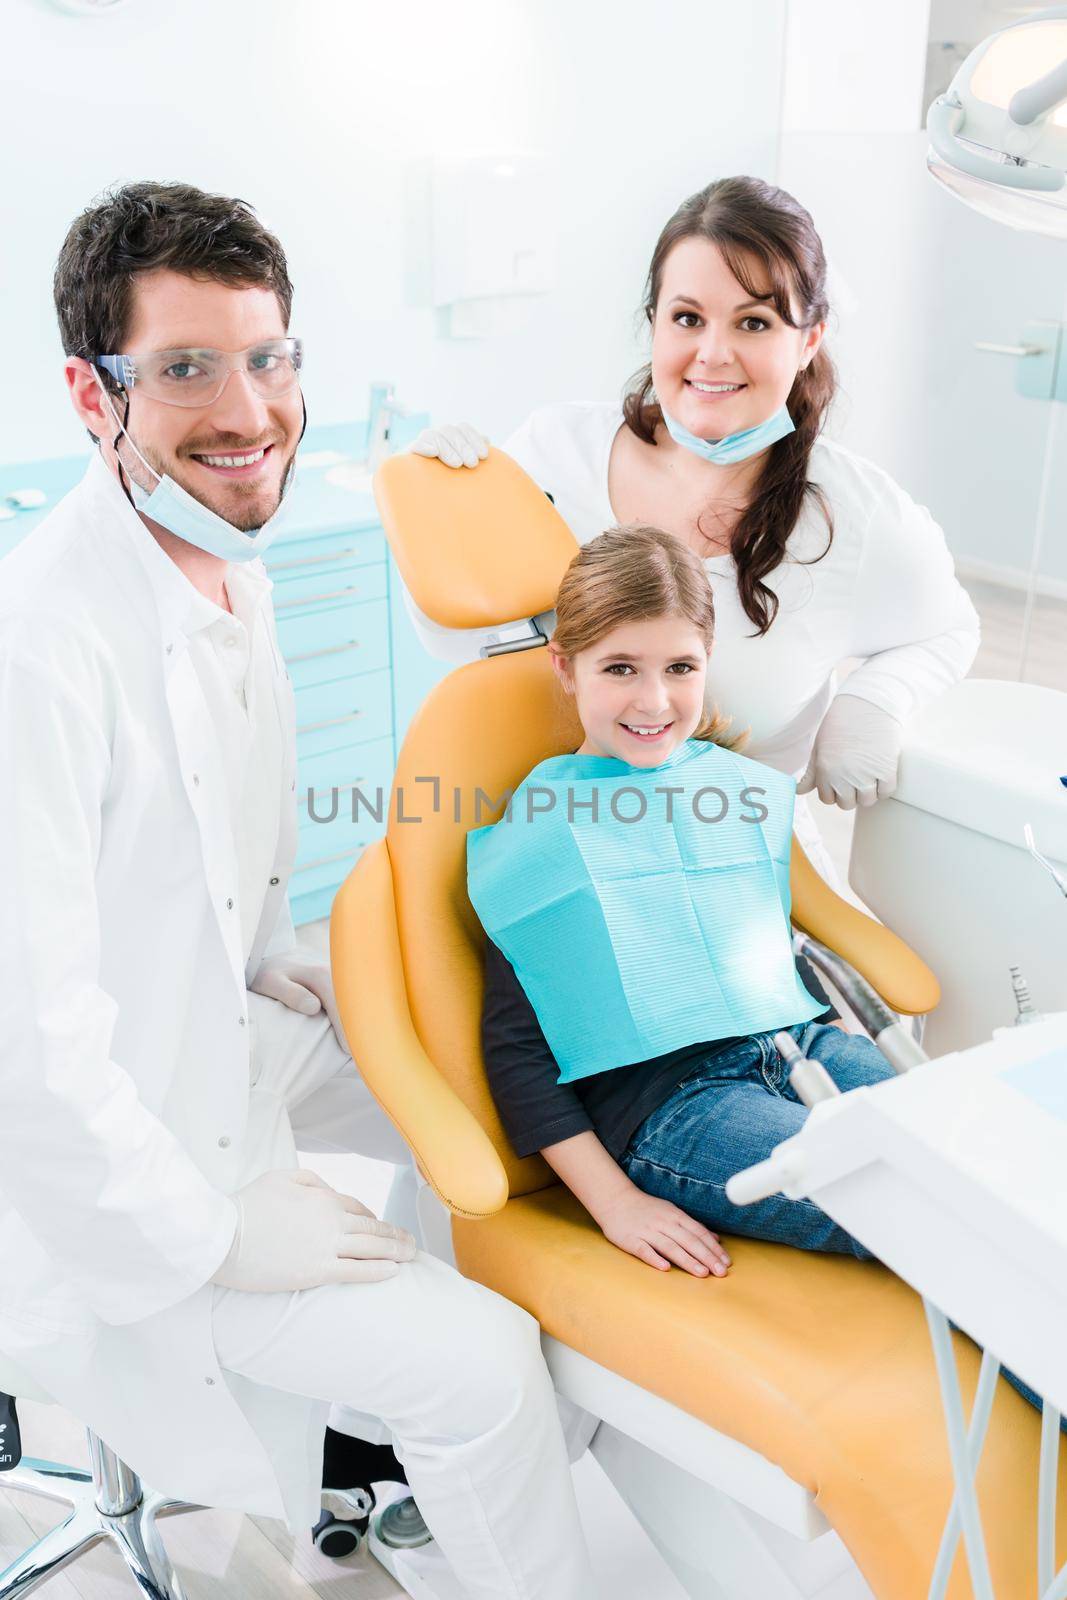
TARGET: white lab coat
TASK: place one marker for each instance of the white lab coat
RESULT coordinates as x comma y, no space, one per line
124,1036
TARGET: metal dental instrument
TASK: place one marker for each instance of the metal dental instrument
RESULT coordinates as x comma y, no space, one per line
810,1080
892,1037
1054,873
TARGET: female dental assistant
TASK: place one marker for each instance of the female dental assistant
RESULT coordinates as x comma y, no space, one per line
815,555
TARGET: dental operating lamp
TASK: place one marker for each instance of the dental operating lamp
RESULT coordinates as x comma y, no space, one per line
998,136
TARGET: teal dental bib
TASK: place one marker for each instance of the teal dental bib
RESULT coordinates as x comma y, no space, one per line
644,909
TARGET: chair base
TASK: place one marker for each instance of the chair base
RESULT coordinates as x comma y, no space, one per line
133,1531
421,1571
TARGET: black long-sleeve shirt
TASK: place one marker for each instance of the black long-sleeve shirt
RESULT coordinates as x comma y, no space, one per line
537,1110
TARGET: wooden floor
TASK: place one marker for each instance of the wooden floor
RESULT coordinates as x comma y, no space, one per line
222,1555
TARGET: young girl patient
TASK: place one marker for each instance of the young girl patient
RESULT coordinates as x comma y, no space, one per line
638,958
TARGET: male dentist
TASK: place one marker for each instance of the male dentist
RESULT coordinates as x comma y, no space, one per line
169,1274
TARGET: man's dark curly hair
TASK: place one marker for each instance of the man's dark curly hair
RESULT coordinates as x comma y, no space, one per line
148,227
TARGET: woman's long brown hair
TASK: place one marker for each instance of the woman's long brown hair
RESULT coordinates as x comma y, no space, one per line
750,222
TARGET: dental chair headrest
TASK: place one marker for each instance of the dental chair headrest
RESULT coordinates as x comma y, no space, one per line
475,547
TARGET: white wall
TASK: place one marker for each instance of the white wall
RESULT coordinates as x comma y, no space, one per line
325,113
852,66
924,278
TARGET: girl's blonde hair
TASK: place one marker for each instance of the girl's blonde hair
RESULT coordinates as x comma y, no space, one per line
632,574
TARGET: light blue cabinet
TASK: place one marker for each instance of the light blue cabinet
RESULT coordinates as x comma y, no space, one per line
358,670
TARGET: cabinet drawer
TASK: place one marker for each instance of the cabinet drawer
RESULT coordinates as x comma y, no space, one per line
335,641
364,763
339,583
333,777
359,546
322,847
346,712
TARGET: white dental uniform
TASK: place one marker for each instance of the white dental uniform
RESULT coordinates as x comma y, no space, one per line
141,1084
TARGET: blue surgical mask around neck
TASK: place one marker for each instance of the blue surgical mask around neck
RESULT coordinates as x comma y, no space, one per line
175,509
736,446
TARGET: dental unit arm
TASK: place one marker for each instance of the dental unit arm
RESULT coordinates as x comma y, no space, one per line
782,1172
892,1037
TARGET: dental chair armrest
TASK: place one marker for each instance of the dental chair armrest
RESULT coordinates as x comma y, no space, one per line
453,1151
902,978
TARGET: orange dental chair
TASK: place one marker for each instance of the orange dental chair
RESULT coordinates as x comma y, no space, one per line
779,1433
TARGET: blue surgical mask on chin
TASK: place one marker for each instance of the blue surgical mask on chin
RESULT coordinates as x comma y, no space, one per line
175,509
736,446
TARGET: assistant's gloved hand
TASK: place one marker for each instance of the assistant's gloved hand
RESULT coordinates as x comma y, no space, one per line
855,756
302,986
295,1232
457,444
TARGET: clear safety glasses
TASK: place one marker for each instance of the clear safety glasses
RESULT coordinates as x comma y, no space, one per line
197,377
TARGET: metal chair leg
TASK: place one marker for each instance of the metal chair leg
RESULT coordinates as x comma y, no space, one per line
48,1478
107,1503
162,1505
142,1549
53,1551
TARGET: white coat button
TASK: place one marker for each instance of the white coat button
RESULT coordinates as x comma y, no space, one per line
170,649
210,1382
224,1142
229,905
196,780
240,1022
275,880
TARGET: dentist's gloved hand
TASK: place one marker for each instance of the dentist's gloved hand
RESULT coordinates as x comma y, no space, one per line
295,1232
457,444
302,986
855,756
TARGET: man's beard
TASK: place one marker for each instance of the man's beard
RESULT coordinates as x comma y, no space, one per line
245,515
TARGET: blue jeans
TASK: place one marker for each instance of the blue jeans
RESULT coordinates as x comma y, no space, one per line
730,1113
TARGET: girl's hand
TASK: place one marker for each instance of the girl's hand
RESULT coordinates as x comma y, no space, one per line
660,1234
650,1229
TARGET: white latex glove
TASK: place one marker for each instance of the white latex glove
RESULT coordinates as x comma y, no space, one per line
302,986
855,755
457,444
295,1232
